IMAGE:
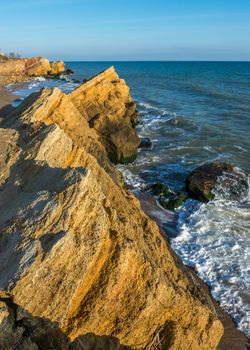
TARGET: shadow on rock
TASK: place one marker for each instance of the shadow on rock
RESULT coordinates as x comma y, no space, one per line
90,341
21,331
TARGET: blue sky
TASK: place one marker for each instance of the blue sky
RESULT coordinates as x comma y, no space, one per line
127,30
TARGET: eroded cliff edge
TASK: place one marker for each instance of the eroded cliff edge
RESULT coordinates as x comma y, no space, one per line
85,265
12,70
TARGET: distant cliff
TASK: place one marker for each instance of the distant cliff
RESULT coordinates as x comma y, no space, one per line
85,266
36,66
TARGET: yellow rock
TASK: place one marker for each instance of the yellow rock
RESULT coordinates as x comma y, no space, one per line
107,105
76,250
42,67
57,67
16,69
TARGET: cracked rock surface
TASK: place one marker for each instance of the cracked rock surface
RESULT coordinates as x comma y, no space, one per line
85,266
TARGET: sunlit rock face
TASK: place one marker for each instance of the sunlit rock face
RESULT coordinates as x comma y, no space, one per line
30,67
77,253
106,103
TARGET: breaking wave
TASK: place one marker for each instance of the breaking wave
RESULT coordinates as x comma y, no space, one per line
214,239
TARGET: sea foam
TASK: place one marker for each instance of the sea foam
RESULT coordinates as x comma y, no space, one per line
214,239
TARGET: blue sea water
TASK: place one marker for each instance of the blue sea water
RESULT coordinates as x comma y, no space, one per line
193,112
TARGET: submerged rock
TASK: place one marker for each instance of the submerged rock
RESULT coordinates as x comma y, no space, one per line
218,177
172,200
85,264
160,189
145,143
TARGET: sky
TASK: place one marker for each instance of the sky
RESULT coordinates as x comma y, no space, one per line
102,30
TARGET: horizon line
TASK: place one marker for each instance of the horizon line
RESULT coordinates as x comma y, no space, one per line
114,60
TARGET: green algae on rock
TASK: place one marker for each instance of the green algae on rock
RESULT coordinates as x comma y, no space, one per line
167,198
202,181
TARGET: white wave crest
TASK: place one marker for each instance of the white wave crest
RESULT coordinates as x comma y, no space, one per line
214,238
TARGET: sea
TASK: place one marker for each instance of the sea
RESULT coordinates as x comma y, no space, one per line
193,113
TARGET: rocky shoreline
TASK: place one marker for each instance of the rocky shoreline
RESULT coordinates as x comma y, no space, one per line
89,248
232,338
14,70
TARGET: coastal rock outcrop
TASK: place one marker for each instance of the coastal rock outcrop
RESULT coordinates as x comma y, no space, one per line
228,181
84,263
57,68
30,67
41,67
109,109
12,68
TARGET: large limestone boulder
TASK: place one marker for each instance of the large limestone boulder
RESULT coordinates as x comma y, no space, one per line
106,103
228,181
57,68
40,68
76,250
31,61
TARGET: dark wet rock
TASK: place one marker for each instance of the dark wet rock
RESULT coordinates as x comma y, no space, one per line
68,71
172,200
145,143
53,76
160,189
167,198
228,181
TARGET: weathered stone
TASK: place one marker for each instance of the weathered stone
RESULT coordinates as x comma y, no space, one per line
160,189
42,67
109,109
12,333
145,142
76,250
172,200
12,68
167,198
68,71
18,69
31,61
201,183
57,68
